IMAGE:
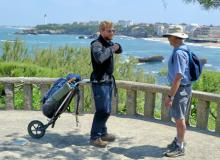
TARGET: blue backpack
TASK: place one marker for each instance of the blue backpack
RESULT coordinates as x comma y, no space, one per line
58,84
195,65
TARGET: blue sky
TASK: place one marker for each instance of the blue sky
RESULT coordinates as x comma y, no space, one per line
30,12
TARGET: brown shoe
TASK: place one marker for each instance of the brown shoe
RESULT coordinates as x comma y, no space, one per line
108,138
98,143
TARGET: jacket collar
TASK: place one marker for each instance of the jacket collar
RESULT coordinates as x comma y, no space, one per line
104,42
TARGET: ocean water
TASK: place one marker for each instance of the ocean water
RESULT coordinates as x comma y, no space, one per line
136,47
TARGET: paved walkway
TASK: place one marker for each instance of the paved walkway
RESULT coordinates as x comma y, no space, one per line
137,138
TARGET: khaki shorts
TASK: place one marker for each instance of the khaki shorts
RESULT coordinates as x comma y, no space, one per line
181,102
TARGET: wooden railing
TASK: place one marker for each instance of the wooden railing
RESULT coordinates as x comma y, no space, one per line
150,90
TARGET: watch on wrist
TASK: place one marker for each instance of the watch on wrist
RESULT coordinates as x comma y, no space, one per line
171,97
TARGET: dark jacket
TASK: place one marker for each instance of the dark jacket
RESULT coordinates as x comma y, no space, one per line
102,59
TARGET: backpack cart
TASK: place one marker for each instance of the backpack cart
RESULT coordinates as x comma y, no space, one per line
37,129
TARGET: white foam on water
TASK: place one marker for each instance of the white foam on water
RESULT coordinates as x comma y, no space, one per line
155,72
4,40
127,60
202,45
18,27
214,47
125,37
43,42
156,40
139,64
208,65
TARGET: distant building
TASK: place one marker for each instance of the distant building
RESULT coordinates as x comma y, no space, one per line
125,23
176,27
93,22
45,19
144,24
189,29
207,32
214,32
75,22
173,28
83,23
160,30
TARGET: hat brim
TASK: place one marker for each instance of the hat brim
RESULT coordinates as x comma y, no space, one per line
179,35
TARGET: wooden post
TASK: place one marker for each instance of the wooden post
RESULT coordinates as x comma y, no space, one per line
44,88
202,114
188,112
217,127
114,102
9,96
28,96
92,102
164,111
149,104
131,102
81,101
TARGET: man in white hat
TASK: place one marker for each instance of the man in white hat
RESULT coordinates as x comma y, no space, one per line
178,99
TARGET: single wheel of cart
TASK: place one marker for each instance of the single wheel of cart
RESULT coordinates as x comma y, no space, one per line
36,129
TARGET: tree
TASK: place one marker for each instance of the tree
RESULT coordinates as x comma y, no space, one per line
208,4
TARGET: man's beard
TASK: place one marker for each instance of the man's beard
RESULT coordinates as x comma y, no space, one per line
107,38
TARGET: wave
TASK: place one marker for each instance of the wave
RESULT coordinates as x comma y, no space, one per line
156,40
43,42
155,72
205,45
4,40
193,44
140,64
151,72
125,37
18,27
214,47
208,65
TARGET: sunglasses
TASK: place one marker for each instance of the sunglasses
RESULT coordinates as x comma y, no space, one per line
111,31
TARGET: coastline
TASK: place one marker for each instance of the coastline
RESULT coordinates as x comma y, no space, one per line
35,31
165,40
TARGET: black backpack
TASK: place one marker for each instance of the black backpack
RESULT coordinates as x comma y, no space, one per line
195,65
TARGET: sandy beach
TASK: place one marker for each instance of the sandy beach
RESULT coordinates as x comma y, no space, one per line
165,40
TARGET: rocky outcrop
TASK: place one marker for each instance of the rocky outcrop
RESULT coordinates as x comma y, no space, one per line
151,59
203,61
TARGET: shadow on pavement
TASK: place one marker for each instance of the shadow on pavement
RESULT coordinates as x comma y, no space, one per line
139,152
62,141
171,124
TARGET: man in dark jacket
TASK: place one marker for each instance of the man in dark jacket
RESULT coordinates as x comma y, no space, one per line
102,51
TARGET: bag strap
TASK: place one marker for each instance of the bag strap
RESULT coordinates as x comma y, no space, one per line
185,50
115,87
77,106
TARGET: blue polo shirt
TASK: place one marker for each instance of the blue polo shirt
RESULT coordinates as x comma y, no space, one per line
179,63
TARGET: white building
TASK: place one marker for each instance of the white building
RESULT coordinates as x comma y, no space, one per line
174,28
45,19
189,29
207,32
160,30
125,23
93,22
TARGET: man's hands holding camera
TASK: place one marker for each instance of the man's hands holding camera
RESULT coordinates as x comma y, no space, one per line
117,48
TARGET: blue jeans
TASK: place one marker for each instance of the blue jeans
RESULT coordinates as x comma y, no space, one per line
103,104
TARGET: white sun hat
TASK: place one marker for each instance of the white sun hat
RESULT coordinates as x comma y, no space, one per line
177,32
